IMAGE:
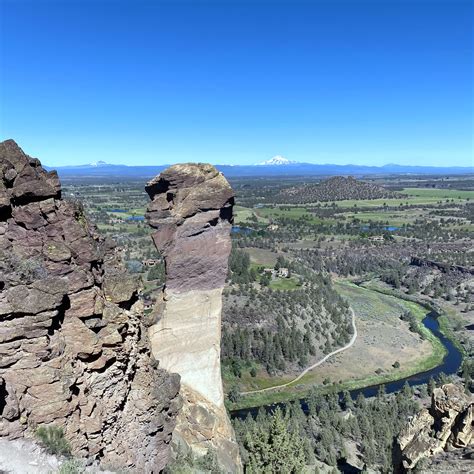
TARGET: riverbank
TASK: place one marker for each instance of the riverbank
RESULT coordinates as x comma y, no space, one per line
450,365
387,351
445,315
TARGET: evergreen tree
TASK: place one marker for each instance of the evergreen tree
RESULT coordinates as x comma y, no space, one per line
275,449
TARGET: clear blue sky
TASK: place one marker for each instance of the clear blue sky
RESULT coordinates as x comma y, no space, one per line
155,82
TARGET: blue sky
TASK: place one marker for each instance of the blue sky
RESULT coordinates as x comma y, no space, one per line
155,82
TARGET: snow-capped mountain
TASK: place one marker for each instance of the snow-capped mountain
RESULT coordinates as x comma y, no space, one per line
277,160
96,164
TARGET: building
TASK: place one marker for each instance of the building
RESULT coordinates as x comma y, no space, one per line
376,238
283,272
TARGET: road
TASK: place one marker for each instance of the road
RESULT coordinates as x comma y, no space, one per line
311,367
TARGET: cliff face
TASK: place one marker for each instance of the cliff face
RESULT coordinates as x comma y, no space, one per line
447,424
73,352
191,210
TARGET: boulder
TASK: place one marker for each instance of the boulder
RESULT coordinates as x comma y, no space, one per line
447,424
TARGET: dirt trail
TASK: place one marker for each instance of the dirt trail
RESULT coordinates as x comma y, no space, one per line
311,367
23,456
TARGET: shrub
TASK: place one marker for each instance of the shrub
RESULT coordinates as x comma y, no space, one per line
234,394
53,440
71,466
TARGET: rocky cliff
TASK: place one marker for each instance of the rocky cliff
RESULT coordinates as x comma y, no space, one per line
73,352
191,210
446,425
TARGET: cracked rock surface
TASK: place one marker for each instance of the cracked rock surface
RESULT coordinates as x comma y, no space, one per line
191,212
446,425
73,351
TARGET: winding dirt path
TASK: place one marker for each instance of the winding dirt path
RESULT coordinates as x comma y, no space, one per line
311,367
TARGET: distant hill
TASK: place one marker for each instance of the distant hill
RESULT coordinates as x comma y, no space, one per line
338,188
271,169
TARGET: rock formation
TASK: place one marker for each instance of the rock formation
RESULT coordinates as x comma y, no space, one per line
191,210
447,424
73,352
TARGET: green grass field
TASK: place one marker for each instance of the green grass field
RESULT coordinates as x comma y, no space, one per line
415,196
242,214
140,211
284,284
363,209
394,218
291,212
262,257
439,193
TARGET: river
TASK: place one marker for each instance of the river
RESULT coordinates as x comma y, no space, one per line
449,365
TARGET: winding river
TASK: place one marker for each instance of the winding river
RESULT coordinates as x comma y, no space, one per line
449,365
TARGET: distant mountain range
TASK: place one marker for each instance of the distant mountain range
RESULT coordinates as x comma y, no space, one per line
277,166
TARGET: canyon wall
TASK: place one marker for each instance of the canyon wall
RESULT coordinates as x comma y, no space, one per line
191,210
73,351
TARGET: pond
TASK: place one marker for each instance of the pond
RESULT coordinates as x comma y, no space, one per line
237,229
390,228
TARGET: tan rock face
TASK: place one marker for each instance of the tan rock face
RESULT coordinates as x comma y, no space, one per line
186,340
447,424
73,351
191,210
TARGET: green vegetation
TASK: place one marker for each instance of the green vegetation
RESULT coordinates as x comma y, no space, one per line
333,189
288,440
53,440
71,466
242,215
275,324
439,193
299,324
185,462
239,265
274,446
448,319
371,306
284,284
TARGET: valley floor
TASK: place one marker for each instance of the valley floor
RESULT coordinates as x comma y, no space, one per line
384,350
316,364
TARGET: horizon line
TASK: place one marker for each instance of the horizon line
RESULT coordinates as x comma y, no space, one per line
259,165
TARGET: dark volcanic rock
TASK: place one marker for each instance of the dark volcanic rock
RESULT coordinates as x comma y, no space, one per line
24,178
191,210
73,352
